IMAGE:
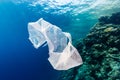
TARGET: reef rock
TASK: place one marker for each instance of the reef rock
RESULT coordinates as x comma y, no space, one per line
114,19
100,51
62,54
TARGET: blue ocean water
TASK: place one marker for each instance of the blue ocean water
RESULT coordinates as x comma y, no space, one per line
19,60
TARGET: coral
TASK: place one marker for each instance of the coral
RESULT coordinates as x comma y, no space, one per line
100,51
114,19
108,29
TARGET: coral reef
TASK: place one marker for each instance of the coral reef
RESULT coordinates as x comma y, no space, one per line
100,51
114,19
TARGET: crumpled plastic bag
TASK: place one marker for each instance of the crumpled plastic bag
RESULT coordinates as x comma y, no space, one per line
62,54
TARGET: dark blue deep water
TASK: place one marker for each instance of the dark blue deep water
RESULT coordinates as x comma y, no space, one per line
19,60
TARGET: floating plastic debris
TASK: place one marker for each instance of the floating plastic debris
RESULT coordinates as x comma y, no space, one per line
62,54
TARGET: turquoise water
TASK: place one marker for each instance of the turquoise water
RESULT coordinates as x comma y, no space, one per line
19,60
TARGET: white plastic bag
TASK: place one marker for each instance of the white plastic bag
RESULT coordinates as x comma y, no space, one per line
62,55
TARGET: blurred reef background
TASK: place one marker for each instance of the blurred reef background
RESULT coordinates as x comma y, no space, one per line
100,50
